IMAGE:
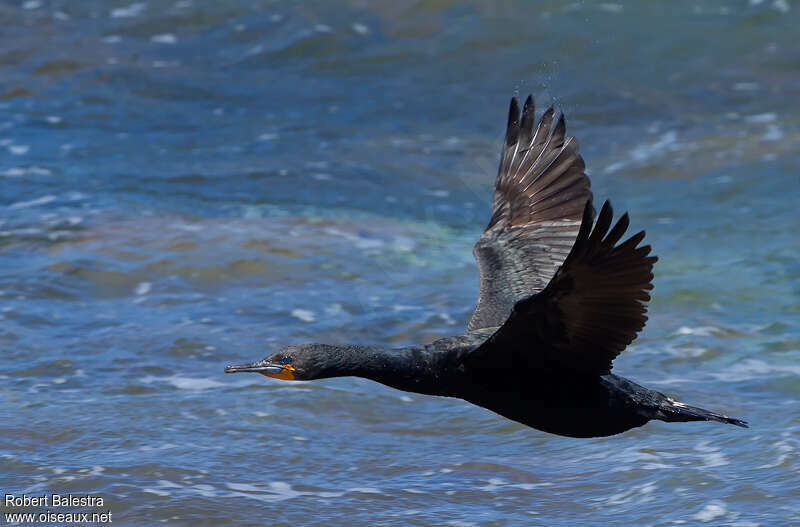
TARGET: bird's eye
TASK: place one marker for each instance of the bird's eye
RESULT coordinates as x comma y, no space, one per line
286,360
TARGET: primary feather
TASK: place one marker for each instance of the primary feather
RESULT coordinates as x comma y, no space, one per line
537,208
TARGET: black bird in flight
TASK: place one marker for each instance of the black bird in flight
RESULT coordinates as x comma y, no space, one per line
559,300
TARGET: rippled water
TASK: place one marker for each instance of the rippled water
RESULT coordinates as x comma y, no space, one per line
190,184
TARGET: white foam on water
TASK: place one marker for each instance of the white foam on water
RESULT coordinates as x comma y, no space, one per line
283,488
143,288
447,318
611,8
711,455
150,448
187,227
360,242
705,446
32,4
26,171
761,118
205,490
700,331
668,142
638,493
33,203
687,352
715,459
785,451
131,11
166,38
157,492
304,314
656,466
782,6
365,490
755,368
493,484
255,50
275,491
712,511
185,383
330,494
746,86
19,150
361,29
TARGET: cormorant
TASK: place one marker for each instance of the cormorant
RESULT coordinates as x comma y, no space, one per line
559,300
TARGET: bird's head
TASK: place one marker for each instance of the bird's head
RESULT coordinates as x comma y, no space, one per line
293,363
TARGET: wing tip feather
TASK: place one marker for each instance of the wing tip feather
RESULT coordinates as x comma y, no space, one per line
512,129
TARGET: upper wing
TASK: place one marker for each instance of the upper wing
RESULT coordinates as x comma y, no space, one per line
589,312
538,201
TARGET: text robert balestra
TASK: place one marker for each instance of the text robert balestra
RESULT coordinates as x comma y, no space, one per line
53,500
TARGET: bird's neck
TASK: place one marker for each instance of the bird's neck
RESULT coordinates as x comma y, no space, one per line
411,369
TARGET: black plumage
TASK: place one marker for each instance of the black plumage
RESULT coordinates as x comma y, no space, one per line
559,300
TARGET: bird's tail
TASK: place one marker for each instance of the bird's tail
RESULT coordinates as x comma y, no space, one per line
674,411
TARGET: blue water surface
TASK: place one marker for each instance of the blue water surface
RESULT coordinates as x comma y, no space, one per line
190,184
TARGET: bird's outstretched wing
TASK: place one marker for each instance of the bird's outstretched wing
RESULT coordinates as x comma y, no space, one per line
589,312
539,195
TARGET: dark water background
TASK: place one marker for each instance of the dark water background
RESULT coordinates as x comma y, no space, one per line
190,184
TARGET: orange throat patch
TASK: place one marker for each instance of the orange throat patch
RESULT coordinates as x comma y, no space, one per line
287,374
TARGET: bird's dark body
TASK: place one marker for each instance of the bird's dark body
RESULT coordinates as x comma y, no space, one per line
551,401
559,405
559,299
569,405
